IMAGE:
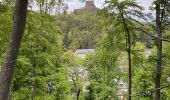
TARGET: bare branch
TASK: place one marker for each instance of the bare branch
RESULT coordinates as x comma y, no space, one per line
148,33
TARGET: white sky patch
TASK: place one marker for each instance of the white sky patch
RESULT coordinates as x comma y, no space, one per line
73,4
145,3
99,3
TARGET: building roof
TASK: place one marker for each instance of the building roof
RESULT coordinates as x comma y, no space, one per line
84,51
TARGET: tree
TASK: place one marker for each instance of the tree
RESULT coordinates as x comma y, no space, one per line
159,50
40,70
9,64
80,30
103,70
162,11
5,29
142,73
128,41
121,10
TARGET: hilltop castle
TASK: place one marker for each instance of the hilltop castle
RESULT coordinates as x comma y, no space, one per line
89,7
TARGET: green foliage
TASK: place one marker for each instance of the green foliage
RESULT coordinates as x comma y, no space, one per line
103,69
39,69
5,29
81,30
3,8
48,69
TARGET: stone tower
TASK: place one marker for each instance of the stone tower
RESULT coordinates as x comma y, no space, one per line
90,4
89,7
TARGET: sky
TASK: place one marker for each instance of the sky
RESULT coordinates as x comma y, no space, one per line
75,4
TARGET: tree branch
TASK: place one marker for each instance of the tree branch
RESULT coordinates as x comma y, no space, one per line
147,32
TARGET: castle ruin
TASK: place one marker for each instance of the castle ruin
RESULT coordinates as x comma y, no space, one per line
89,7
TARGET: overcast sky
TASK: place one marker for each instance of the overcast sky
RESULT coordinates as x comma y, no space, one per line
75,4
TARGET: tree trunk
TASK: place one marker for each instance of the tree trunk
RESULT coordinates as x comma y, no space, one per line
9,64
128,44
130,66
78,94
159,51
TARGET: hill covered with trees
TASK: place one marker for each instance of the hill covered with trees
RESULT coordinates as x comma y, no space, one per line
130,58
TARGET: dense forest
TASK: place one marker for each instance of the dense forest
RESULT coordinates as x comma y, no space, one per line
118,52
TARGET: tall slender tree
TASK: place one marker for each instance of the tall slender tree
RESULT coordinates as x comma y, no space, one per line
162,21
159,50
128,43
123,13
8,69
